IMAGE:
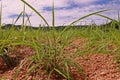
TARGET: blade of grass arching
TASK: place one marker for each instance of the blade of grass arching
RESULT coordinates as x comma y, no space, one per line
105,17
18,17
88,16
83,18
114,21
36,12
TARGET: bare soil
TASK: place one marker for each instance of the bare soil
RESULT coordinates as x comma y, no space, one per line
97,66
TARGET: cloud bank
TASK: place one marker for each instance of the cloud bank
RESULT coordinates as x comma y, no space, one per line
66,11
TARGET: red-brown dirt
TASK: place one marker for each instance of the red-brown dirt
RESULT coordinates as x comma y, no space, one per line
96,66
99,67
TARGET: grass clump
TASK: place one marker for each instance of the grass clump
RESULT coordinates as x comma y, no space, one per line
49,45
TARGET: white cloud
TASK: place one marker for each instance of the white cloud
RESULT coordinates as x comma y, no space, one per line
41,3
83,1
64,15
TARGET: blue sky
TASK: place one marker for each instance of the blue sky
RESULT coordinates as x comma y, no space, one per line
66,11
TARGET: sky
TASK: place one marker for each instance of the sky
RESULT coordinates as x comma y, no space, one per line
66,11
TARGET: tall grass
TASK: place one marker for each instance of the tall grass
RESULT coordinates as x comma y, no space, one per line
49,45
54,56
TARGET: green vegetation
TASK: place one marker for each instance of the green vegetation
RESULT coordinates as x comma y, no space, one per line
50,45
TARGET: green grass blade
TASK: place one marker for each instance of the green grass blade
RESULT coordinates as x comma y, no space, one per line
18,17
105,17
83,18
28,19
23,22
60,73
36,12
50,74
68,72
88,16
114,21
53,16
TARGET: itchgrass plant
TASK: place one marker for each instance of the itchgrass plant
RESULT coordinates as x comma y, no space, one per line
51,55
49,45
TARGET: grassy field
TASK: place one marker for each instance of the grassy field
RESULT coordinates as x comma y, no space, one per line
51,55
